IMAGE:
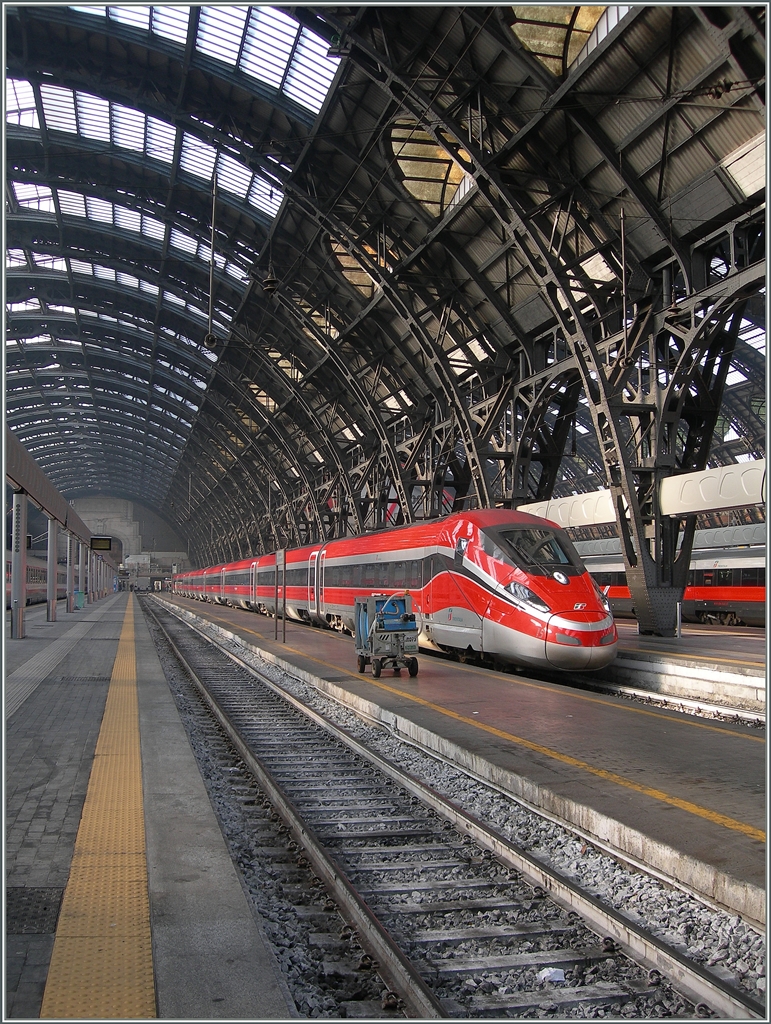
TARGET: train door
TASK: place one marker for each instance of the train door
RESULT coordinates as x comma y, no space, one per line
312,582
253,584
222,586
322,560
455,622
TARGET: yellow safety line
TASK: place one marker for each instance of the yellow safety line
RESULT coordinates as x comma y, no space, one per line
101,964
619,780
625,708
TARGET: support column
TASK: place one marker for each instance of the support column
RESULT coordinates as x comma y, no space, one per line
52,581
70,573
19,565
82,569
89,576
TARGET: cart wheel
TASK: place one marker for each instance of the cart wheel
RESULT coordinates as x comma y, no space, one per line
361,663
376,667
412,665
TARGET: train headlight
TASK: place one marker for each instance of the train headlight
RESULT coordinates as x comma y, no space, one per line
523,595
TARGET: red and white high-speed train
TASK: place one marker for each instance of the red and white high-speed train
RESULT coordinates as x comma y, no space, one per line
495,583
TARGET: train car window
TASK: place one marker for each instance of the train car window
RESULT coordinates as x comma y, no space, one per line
540,550
709,577
754,576
384,574
491,548
725,577
414,579
460,550
399,578
368,574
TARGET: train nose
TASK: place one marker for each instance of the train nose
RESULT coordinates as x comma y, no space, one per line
581,640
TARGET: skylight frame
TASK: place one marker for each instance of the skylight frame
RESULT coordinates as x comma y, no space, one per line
262,42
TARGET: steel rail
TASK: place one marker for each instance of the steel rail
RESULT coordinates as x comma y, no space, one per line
696,983
392,964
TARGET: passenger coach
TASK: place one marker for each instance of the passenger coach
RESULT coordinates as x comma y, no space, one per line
496,584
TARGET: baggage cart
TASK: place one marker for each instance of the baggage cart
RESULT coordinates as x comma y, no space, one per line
386,633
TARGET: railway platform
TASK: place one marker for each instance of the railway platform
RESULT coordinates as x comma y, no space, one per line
725,665
681,795
121,897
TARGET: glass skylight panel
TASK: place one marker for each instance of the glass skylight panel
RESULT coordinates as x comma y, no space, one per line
753,335
149,287
171,22
33,197
160,140
268,45
100,11
138,16
311,72
99,209
264,196
93,116
50,262
20,104
72,203
59,108
233,270
131,220
23,307
220,30
128,127
182,241
153,228
128,279
106,274
232,176
81,267
197,157
15,258
196,311
735,377
173,299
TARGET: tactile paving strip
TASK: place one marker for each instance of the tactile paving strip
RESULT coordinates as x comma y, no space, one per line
101,965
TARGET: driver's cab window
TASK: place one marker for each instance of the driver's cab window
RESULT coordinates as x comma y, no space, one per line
460,550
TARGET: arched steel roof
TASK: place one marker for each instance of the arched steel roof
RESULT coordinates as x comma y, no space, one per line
488,237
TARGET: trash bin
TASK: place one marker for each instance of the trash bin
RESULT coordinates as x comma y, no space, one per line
80,599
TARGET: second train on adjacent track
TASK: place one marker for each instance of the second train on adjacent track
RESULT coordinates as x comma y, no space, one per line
501,585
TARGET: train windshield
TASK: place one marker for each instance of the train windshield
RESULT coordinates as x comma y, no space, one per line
534,549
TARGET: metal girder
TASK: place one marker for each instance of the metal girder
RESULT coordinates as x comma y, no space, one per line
657,585
655,407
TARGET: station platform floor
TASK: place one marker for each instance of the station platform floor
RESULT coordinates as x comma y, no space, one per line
122,901
713,664
681,794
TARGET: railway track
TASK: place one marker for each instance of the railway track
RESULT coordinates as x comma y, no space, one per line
459,921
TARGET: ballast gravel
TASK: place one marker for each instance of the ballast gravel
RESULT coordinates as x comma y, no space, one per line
728,946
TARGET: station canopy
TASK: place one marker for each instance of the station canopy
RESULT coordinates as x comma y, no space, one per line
284,273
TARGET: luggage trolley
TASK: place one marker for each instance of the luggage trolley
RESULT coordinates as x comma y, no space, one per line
386,633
